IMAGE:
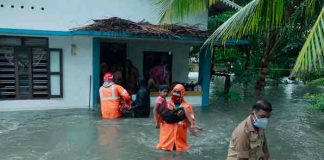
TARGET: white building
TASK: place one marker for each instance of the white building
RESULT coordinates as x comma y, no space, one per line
45,65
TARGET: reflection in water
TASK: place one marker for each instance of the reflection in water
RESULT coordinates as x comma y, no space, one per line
109,139
293,132
163,155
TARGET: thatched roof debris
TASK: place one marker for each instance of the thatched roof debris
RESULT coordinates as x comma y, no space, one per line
116,24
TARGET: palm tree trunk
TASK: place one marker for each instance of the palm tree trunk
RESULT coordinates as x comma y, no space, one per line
270,44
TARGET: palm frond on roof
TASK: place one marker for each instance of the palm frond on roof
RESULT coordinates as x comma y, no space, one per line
116,24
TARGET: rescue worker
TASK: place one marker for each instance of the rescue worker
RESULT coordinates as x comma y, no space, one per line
113,98
248,139
173,136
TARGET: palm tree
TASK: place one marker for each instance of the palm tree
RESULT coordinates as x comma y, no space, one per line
172,11
258,16
311,56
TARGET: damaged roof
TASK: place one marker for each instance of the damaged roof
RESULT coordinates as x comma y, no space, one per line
116,24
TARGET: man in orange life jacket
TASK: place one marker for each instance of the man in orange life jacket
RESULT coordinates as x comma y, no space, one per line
173,136
113,98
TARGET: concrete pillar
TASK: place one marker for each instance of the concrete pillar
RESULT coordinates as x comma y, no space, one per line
205,74
95,72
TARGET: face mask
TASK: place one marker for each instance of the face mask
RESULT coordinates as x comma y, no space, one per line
176,94
260,122
176,98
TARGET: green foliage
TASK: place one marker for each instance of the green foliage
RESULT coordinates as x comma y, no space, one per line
231,96
229,54
316,100
290,21
276,72
313,76
255,17
216,20
311,57
241,2
316,82
280,67
174,11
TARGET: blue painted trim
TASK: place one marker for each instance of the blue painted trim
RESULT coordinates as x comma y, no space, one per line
34,32
204,75
111,35
95,72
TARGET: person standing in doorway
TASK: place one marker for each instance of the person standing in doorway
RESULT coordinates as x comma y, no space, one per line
113,98
118,74
132,75
141,106
159,74
248,140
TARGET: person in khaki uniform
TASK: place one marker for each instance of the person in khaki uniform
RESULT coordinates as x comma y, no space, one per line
248,140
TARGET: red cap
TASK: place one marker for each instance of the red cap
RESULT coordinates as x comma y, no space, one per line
108,76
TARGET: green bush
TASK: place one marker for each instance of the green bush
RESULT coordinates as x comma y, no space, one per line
317,82
316,100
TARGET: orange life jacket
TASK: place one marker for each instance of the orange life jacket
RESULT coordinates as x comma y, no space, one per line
175,134
111,100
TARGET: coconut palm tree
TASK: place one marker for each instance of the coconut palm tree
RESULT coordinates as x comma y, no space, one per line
258,16
172,11
311,56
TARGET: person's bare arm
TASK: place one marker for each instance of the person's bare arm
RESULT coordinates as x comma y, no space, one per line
191,121
155,116
138,102
124,96
155,113
192,125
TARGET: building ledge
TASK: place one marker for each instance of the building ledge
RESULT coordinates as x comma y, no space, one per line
188,93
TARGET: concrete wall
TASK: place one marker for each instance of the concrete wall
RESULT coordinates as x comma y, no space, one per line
76,71
67,14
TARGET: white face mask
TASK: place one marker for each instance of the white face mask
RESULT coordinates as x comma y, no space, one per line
261,123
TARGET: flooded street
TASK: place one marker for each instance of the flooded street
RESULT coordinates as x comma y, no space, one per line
294,132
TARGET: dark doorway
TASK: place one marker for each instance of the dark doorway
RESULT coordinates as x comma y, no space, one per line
112,58
151,59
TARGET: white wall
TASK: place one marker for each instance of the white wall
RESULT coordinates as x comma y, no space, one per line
76,71
67,14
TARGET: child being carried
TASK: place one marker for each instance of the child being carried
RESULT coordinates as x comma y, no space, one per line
161,111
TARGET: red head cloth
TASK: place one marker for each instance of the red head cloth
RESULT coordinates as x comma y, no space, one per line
108,77
176,97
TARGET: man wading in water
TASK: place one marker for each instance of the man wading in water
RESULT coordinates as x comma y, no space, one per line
248,139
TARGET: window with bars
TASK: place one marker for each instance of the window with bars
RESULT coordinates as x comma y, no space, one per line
25,71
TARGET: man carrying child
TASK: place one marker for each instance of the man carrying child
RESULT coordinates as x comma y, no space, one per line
173,116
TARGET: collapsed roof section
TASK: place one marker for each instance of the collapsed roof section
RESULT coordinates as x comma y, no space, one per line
116,24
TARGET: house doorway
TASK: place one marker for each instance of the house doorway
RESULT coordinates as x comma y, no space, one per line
113,59
153,61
